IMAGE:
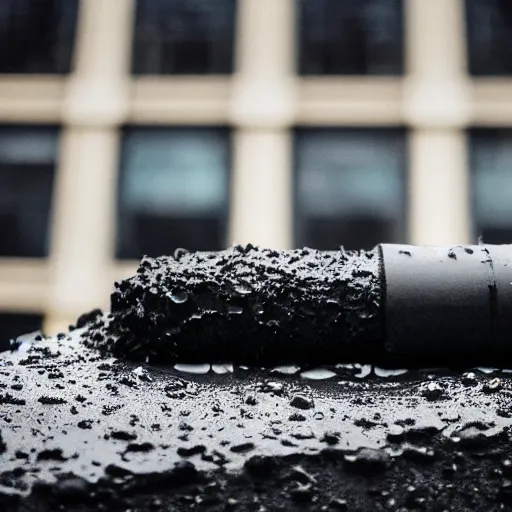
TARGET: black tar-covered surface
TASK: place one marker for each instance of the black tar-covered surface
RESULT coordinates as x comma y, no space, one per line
248,305
82,431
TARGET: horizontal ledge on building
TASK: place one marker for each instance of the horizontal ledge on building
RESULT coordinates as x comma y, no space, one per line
180,100
24,284
349,100
34,99
491,101
208,100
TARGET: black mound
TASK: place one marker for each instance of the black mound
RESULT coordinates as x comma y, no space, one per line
249,305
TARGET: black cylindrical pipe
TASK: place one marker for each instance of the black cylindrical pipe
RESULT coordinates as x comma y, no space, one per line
394,305
447,303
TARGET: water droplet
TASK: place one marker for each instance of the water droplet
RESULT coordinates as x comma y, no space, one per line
469,379
285,370
243,288
25,341
235,310
193,368
179,296
366,369
179,253
318,374
486,369
24,347
492,385
389,372
222,368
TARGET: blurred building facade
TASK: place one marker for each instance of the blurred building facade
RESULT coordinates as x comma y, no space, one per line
131,127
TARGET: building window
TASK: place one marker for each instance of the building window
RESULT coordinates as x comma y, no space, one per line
13,325
489,34
491,163
350,37
173,190
27,170
182,37
349,187
37,36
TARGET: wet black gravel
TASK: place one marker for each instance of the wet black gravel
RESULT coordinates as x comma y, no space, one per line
81,431
248,305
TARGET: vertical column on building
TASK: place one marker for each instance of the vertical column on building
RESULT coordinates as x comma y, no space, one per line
262,112
95,105
436,106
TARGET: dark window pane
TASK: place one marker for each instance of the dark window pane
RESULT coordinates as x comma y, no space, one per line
350,37
37,36
491,162
489,33
173,191
27,169
349,187
184,37
13,325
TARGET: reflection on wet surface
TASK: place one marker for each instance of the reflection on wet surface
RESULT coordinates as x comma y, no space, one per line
66,409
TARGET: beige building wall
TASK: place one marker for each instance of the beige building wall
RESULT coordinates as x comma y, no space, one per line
262,101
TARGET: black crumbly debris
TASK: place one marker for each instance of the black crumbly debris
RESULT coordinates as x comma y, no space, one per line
247,305
88,318
214,442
